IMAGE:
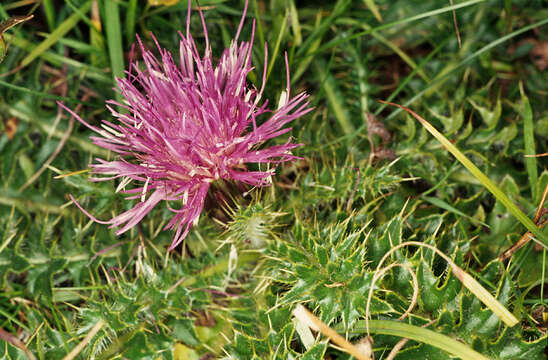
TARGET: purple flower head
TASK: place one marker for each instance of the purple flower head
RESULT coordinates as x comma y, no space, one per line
187,125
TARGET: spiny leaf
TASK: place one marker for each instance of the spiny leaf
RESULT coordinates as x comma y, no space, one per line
489,185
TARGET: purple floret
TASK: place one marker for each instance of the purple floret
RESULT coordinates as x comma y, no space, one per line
187,125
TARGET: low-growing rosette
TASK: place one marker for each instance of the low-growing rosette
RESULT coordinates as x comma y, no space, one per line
188,123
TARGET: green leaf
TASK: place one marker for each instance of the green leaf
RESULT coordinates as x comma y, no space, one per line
541,126
452,123
489,117
421,335
529,141
315,352
443,205
57,34
40,278
532,269
503,138
114,38
334,98
26,165
183,330
182,352
138,347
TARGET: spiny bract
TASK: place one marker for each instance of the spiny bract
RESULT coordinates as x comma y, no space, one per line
188,125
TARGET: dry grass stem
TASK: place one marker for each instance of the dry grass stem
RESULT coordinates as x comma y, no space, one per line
524,240
378,274
12,339
468,281
400,344
305,316
71,355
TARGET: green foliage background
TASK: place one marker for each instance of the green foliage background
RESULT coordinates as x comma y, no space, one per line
316,236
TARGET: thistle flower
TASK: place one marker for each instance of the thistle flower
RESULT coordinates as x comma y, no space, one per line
188,125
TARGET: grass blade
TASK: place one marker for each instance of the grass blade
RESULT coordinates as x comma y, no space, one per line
114,39
445,206
468,59
476,172
58,33
49,11
58,60
274,55
96,38
131,15
419,334
438,78
338,9
339,41
373,8
334,98
529,140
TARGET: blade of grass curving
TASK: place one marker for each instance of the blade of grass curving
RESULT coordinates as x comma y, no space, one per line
59,60
400,87
54,36
305,62
417,333
391,45
333,98
437,79
445,206
339,9
45,94
373,8
339,41
466,279
468,59
295,24
478,174
529,140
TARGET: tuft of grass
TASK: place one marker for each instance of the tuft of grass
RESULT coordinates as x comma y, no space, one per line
369,180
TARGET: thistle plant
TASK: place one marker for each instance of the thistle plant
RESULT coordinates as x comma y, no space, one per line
396,235
184,126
